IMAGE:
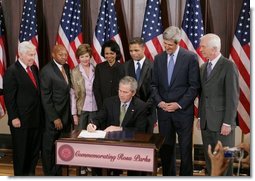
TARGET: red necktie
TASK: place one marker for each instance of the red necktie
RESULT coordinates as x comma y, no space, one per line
29,72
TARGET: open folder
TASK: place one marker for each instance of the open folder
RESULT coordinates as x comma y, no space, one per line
95,134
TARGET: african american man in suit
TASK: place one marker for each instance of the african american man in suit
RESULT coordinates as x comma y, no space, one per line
141,69
55,88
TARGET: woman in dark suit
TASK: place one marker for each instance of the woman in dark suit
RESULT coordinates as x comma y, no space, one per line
23,103
108,73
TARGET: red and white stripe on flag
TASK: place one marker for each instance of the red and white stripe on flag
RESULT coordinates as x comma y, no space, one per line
106,29
28,26
240,55
2,59
70,30
192,30
152,29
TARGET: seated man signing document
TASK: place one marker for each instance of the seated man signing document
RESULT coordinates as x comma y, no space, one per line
122,112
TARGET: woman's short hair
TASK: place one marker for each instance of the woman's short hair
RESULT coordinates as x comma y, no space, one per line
113,45
82,49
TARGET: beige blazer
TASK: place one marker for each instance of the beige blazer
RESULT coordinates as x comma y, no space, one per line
79,88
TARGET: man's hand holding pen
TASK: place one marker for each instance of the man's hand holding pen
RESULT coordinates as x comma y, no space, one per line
91,126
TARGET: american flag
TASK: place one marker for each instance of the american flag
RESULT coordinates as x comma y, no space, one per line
192,30
240,55
70,30
152,29
106,29
2,59
28,26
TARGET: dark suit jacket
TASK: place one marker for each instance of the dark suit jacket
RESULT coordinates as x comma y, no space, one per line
183,88
135,117
144,84
22,98
55,95
220,95
144,91
106,82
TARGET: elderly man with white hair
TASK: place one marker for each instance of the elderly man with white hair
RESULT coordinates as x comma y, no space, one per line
219,98
23,102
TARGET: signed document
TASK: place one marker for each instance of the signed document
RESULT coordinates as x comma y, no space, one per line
96,134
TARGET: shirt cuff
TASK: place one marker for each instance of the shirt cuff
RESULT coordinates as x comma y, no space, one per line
179,106
226,124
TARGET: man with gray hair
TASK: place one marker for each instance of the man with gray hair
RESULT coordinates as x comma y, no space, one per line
122,112
23,103
219,98
175,85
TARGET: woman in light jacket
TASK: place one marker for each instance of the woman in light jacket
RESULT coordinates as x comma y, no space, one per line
83,101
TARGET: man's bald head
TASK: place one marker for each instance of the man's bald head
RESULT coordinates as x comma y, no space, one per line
59,54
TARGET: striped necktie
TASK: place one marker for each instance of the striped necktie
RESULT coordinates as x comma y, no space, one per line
122,112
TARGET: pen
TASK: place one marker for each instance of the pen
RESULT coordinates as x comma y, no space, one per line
92,122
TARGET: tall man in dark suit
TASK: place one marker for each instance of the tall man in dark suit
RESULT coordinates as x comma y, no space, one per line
219,98
175,84
55,88
141,69
23,102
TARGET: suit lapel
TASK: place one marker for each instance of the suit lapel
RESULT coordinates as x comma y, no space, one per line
177,66
144,71
129,113
164,68
58,72
131,69
34,71
116,110
25,74
203,72
216,69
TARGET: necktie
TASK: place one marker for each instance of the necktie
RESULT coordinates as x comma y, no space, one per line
209,69
31,76
138,71
122,112
170,68
64,74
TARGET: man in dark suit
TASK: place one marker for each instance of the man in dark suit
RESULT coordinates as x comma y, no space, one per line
55,88
175,84
141,69
122,112
219,98
111,118
23,103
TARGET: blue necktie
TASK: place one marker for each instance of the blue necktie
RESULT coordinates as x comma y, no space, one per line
170,68
138,71
209,69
